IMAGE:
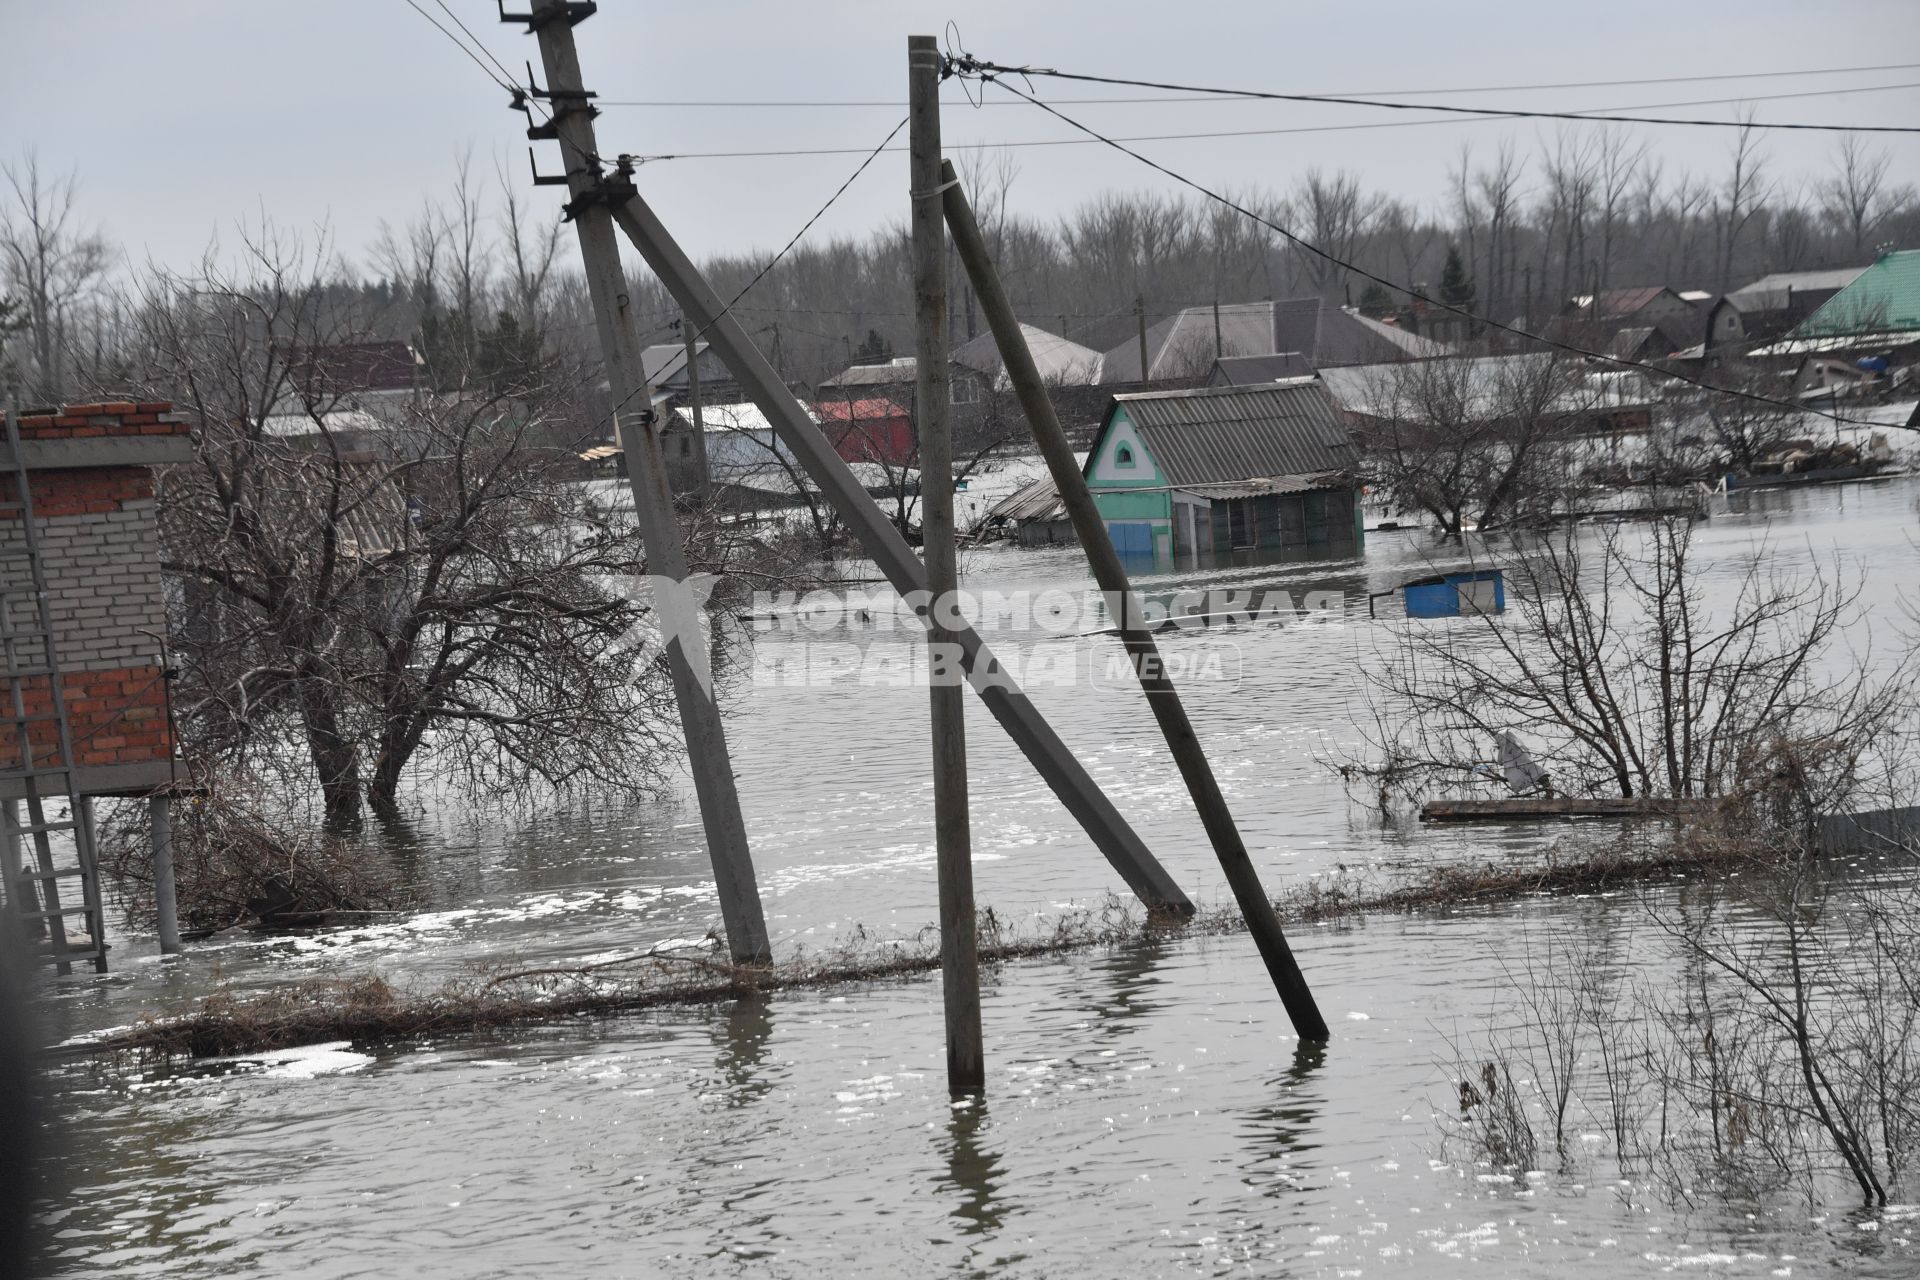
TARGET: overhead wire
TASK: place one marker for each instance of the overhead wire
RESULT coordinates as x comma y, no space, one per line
1308,246
976,68
1256,133
613,415
1217,97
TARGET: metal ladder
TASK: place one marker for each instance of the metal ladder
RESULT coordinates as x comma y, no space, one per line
43,771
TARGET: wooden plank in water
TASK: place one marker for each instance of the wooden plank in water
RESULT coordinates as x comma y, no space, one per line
1533,808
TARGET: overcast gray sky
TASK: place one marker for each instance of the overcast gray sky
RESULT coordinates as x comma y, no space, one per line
183,117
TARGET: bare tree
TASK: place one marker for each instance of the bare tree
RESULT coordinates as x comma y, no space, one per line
50,264
1624,678
1333,213
1500,196
1856,197
400,584
1740,198
1618,161
530,254
1471,443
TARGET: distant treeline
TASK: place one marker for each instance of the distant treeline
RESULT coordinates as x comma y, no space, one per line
482,268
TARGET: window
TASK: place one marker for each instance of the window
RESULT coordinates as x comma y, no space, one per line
1123,456
1240,523
962,391
686,446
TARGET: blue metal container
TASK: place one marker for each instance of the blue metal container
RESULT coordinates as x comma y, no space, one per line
1454,594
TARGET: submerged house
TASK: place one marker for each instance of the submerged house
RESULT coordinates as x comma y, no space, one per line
1770,306
1877,314
1227,469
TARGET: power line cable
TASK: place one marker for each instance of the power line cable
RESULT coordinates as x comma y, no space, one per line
1307,245
488,53
613,415
1217,97
970,67
1251,133
506,84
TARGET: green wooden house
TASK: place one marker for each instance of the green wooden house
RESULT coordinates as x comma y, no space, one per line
1224,470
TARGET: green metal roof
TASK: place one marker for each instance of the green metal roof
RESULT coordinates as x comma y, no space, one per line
1884,299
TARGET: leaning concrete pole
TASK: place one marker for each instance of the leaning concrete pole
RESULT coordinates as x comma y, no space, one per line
953,838
652,499
1054,760
1141,649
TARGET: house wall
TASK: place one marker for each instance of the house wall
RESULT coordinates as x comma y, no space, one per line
1324,520
91,480
888,440
1111,480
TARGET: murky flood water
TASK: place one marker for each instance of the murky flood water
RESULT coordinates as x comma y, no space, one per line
1148,1112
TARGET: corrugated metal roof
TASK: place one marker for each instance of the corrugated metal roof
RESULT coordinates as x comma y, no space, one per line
1218,435
1884,298
1254,486
1037,501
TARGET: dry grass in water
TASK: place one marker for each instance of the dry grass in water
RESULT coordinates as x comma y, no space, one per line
367,1008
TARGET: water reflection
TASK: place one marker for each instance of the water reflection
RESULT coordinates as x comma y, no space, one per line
740,1039
1131,972
973,1176
1288,1126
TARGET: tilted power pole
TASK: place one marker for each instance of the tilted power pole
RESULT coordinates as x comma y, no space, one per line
953,837
1148,665
1050,757
590,190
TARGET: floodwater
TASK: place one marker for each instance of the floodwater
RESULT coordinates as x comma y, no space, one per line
1148,1110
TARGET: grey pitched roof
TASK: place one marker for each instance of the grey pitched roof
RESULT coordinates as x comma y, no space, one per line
1218,435
665,364
1476,388
1626,344
1770,293
896,372
1061,362
1184,344
1243,371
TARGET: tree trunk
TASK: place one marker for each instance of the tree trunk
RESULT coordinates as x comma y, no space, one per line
335,759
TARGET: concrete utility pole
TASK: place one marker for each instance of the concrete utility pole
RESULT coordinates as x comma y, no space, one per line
572,127
1141,649
1043,748
160,837
959,962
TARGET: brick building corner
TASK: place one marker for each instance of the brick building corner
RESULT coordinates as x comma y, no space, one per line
91,475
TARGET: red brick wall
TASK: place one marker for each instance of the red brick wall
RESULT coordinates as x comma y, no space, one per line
91,491
115,418
116,717
100,549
